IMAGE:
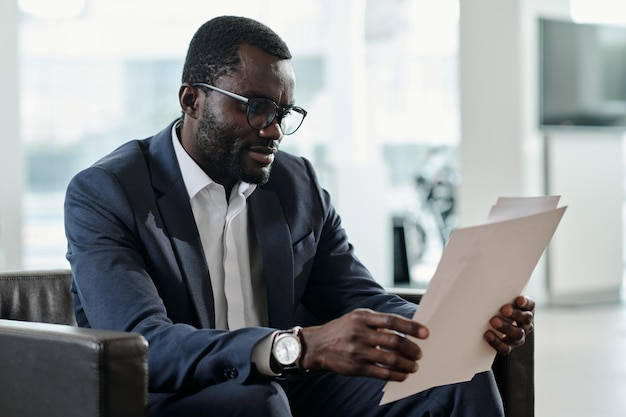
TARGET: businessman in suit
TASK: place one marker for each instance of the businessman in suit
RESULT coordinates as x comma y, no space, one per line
228,256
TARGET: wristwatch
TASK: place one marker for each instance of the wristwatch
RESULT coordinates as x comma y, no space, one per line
286,351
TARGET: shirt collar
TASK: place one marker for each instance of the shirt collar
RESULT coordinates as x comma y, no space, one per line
194,177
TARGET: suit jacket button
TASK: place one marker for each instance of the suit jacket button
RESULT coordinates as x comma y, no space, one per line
231,373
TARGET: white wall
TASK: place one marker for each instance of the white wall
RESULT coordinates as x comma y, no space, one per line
585,259
10,141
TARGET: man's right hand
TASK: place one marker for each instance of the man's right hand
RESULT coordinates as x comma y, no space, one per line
364,343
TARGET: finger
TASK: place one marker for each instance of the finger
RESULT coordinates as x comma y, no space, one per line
398,344
518,317
385,373
363,367
374,361
520,305
514,335
497,342
525,303
393,322
521,313
392,361
526,321
372,339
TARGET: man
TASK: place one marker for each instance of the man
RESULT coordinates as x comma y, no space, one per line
217,247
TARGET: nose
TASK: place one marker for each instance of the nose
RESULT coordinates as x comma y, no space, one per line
272,131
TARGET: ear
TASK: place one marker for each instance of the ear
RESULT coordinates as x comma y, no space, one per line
189,100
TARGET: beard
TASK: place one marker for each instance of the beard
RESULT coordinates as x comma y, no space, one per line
223,150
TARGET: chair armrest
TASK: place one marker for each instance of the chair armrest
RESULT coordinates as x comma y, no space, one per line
515,375
59,370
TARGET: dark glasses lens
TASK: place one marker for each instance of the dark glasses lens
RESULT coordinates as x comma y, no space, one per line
263,111
292,119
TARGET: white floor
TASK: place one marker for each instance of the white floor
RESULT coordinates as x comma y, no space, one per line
580,361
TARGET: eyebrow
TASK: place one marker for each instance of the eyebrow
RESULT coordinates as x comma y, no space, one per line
258,94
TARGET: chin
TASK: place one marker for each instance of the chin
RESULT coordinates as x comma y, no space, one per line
256,176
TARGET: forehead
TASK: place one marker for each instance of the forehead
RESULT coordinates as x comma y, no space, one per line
263,74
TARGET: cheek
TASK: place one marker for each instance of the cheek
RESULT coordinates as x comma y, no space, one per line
234,140
232,117
240,136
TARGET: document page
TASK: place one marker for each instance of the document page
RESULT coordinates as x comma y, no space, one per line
481,269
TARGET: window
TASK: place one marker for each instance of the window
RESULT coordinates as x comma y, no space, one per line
377,77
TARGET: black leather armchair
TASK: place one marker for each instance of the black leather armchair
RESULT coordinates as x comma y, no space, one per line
50,367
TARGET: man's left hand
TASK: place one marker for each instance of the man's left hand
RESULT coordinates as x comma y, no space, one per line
512,325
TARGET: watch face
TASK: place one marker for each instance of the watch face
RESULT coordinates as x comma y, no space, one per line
287,349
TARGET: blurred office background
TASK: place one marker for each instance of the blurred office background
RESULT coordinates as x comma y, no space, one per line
379,79
434,107
421,114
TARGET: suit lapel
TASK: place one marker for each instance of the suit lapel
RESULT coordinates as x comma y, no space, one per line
270,226
178,219
272,234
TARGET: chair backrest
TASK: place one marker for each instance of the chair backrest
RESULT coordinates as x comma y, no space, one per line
41,296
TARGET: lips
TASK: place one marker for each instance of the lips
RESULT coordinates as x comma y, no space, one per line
262,154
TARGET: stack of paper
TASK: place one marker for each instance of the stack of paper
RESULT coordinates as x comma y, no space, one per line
481,269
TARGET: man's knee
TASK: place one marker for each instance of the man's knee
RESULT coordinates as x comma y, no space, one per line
262,399
267,400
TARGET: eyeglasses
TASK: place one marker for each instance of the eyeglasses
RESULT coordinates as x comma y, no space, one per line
261,112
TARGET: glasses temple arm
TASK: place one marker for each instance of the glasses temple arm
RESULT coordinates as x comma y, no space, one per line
219,90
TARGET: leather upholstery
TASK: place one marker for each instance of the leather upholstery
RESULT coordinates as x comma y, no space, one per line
59,369
42,296
515,375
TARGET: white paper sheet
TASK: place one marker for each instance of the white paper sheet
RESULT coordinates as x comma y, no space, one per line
481,269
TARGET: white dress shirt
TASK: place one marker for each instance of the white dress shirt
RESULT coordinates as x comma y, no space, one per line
230,249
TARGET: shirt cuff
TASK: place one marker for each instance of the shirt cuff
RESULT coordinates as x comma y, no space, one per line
261,354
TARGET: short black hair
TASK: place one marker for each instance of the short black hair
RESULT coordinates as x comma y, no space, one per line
213,50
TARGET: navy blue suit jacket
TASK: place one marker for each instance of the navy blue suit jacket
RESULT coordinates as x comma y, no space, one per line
138,263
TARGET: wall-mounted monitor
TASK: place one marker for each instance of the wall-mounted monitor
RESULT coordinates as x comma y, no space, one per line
582,73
